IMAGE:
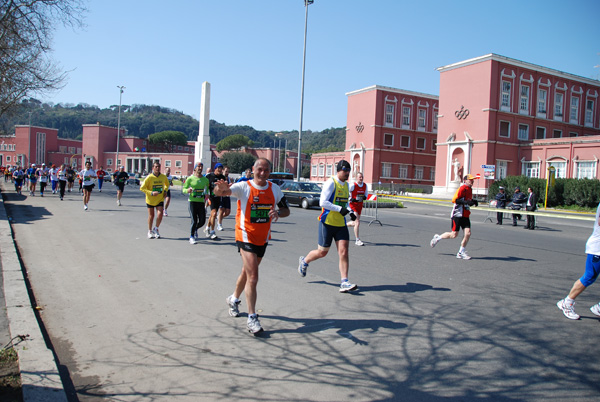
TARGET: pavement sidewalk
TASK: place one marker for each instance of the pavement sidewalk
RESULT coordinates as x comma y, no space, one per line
40,377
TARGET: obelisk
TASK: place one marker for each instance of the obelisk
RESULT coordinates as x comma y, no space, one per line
203,144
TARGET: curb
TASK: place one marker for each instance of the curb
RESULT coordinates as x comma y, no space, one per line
40,378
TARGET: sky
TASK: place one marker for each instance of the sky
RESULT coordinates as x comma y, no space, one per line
251,52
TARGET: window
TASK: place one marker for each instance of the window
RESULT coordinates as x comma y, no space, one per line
558,106
406,117
178,164
435,121
321,170
542,97
524,105
62,149
403,172
540,133
168,163
119,163
586,170
505,103
388,140
574,109
561,169
40,149
504,129
71,150
109,162
186,148
180,148
531,169
8,158
405,141
433,145
419,173
329,169
389,115
502,169
386,170
422,119
313,170
556,134
420,143
573,134
432,174
589,113
523,132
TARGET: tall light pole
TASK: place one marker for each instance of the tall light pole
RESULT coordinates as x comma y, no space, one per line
121,88
299,170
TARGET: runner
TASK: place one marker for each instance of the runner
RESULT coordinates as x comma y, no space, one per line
225,207
54,178
100,173
332,224
214,201
154,186
168,193
18,179
87,177
31,176
463,199
70,178
42,174
62,180
358,193
256,210
196,186
119,180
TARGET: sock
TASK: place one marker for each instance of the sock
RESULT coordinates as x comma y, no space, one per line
344,280
462,249
569,301
235,299
251,316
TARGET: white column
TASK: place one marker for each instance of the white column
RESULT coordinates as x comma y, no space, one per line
202,151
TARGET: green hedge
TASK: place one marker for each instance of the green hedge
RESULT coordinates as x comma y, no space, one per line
580,192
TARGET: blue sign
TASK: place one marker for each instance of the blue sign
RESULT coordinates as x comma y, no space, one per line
143,149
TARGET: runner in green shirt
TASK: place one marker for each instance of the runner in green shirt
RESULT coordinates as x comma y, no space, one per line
196,186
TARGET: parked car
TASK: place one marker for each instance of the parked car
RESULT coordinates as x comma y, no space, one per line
306,195
134,179
108,177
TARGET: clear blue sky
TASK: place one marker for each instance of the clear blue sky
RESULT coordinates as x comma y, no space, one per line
251,51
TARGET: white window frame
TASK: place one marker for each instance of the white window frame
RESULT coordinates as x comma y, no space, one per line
520,135
389,115
524,102
424,142
505,95
589,112
432,174
422,119
542,102
321,169
574,115
555,131
109,162
386,169
388,140
586,169
531,169
403,172
402,137
329,170
501,169
418,173
178,164
502,122
7,158
560,168
536,132
313,170
559,99
168,163
406,116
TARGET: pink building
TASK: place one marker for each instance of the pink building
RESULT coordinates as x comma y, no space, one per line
516,117
390,137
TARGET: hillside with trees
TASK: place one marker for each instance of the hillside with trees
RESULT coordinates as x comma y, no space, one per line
145,120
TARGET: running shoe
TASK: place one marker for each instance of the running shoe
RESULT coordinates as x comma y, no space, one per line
234,309
435,240
150,234
254,325
302,267
206,230
213,235
346,287
166,214
156,233
568,311
119,202
85,207
359,242
463,255
595,309
192,240
219,227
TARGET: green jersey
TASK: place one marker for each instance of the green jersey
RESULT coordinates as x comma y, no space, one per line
199,186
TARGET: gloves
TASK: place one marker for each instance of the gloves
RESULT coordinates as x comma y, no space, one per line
473,202
352,215
344,211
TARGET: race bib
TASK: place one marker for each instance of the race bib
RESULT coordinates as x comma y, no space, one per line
158,188
259,213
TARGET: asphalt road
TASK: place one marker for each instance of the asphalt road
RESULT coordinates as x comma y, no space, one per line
133,319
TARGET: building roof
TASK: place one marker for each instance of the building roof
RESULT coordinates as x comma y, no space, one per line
518,63
390,89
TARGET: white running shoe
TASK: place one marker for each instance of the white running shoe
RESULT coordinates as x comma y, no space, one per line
192,240
359,242
166,214
346,287
595,309
568,311
463,255
213,235
119,202
435,240
302,267
219,227
234,306
254,325
156,233
85,207
150,234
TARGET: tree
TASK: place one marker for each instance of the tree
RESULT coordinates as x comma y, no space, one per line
167,140
234,142
26,28
238,161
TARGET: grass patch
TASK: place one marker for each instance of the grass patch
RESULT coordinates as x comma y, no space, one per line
10,377
575,208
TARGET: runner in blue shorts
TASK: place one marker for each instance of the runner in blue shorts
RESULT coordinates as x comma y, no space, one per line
592,269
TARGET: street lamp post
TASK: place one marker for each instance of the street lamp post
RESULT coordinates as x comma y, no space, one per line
119,126
299,170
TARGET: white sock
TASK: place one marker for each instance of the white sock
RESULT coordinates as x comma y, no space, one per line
462,249
569,301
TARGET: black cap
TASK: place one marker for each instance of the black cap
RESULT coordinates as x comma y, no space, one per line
343,165
517,188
